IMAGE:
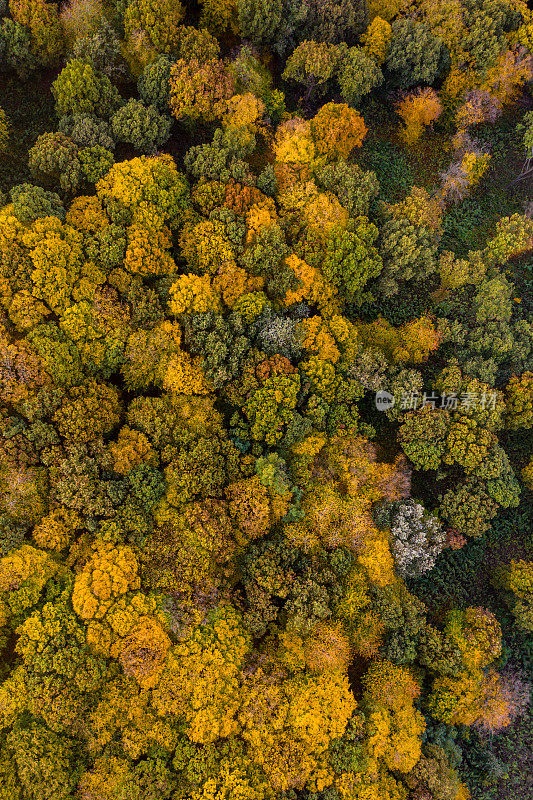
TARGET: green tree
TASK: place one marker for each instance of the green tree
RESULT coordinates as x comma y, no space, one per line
358,75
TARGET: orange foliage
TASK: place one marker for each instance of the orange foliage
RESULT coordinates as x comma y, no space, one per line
418,109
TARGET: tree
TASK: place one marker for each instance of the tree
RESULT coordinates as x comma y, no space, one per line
408,250
80,89
358,75
95,162
418,110
154,84
350,259
54,158
145,190
80,19
46,762
32,202
337,130
88,412
16,46
463,175
219,16
416,55
200,679
468,510
519,401
87,130
159,22
517,578
334,21
473,698
417,537
377,39
23,574
101,48
423,436
199,90
313,64
192,294
4,130
45,29
109,573
140,125
259,19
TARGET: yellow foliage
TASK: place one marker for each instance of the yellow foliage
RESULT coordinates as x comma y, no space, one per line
390,685
323,212
143,652
13,696
232,283
314,287
110,572
56,529
477,634
205,246
149,188
243,110
105,635
147,251
507,76
192,294
46,31
131,449
377,38
294,142
419,208
377,560
219,16
25,311
123,708
23,574
57,257
260,216
321,376
457,83
394,725
316,338
374,783
184,375
327,648
337,129
419,109
411,342
473,697
288,725
201,678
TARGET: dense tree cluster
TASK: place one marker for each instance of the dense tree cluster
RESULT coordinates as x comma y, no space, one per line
211,538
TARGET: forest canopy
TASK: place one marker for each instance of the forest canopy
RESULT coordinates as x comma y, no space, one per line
266,400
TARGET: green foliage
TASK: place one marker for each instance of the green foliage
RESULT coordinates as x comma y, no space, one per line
54,159
259,19
351,260
142,126
416,55
101,48
15,44
31,202
358,75
87,130
212,585
153,85
95,162
80,89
